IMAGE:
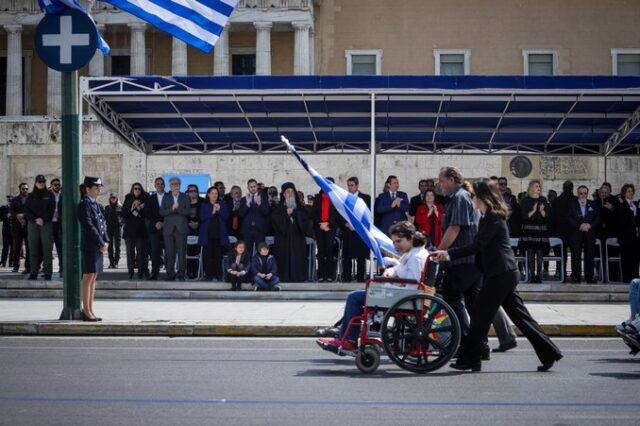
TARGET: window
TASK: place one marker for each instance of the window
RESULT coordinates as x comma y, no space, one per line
243,64
540,62
118,62
626,61
364,62
452,62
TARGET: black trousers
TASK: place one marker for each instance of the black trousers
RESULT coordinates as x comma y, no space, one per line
327,261
114,245
212,258
157,246
582,242
57,241
137,253
630,260
7,246
347,266
461,283
501,291
18,238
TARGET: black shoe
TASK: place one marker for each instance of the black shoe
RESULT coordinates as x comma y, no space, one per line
548,364
464,366
152,277
47,277
486,353
25,272
328,332
171,278
15,270
504,348
591,281
130,275
181,279
575,280
111,266
32,277
98,319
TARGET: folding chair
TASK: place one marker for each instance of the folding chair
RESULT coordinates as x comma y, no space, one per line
338,242
192,240
513,242
558,257
311,258
612,242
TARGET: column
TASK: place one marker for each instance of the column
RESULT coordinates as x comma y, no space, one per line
138,49
301,48
54,92
221,54
179,57
96,66
263,47
14,69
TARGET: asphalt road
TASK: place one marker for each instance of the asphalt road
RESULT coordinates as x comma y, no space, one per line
233,381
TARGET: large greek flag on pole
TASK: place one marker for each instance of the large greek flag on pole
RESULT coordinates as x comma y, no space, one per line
56,6
196,22
352,209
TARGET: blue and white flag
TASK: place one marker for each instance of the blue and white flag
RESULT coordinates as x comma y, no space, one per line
353,209
53,7
198,23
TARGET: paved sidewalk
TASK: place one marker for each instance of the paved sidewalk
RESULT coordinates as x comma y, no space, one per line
219,317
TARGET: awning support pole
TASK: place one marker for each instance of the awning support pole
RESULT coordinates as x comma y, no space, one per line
372,161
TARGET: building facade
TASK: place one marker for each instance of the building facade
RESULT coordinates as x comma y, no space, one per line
302,37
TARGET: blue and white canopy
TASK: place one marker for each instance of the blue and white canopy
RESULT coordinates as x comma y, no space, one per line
589,115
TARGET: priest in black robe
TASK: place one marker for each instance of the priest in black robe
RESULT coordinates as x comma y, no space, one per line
290,220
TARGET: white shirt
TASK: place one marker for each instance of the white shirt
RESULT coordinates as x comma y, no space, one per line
55,212
175,198
411,264
159,197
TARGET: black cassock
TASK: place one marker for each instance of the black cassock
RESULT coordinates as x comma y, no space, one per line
290,246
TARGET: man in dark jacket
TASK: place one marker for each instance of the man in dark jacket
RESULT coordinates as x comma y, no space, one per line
38,210
19,228
6,234
56,190
156,222
584,218
560,219
113,217
325,223
608,228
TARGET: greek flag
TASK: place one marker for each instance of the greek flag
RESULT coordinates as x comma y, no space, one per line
352,209
53,7
196,22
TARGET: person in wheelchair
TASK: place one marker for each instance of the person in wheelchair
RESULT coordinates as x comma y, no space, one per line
411,245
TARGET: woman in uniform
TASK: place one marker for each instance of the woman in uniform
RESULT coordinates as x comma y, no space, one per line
94,242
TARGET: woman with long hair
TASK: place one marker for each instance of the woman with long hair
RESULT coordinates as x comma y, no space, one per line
213,237
495,258
628,214
429,218
135,230
534,235
94,242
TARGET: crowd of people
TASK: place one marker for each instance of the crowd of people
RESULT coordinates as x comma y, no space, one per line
235,226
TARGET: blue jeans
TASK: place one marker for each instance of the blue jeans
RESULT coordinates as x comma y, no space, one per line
634,297
264,284
352,308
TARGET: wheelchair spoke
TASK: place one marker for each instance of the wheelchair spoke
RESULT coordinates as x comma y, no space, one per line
416,312
447,329
438,345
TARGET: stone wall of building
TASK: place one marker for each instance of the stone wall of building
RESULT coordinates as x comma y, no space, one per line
33,146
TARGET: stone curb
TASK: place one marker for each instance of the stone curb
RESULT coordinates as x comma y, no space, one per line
176,329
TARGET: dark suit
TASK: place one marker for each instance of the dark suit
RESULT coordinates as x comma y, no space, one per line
389,215
414,203
175,231
558,223
629,240
6,236
583,240
354,248
19,232
495,258
327,260
152,213
608,229
255,220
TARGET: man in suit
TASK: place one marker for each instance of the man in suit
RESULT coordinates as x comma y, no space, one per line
352,245
56,189
7,248
584,218
392,205
175,210
19,228
608,227
156,221
559,226
254,212
418,199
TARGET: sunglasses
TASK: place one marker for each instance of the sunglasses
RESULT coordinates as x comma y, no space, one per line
137,189
191,191
55,184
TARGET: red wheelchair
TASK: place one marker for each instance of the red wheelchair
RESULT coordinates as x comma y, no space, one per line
419,331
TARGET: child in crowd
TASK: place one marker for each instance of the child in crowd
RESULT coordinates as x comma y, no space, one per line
264,270
240,267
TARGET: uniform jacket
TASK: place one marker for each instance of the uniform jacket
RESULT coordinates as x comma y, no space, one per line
40,205
93,227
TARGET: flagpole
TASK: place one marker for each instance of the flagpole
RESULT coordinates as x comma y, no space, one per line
373,173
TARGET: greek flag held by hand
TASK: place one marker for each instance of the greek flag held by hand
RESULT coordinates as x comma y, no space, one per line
198,23
352,209
54,7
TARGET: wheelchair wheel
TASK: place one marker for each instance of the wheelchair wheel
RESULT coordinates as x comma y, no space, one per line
368,359
420,333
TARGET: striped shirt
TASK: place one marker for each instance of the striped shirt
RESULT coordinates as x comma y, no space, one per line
459,210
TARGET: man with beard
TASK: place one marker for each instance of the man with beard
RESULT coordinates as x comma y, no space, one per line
254,212
290,221
19,228
7,248
56,188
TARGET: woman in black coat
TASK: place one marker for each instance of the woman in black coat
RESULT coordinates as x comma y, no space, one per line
628,214
494,257
135,230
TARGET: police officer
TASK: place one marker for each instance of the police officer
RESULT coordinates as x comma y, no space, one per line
94,242
38,210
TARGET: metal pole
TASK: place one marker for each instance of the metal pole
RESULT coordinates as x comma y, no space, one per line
373,172
605,168
71,161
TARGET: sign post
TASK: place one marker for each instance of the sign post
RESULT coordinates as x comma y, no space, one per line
66,42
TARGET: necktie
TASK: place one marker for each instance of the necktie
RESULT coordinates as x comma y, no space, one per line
393,196
253,199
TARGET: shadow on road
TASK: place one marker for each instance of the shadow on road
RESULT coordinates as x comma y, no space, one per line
631,375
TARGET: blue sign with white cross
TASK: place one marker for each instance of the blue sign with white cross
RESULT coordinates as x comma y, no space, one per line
66,41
